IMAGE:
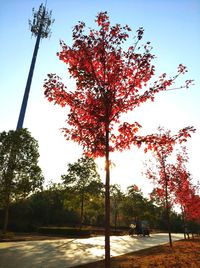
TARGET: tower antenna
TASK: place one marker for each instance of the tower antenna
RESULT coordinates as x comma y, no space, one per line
40,28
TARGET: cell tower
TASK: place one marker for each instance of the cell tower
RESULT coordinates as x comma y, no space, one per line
40,28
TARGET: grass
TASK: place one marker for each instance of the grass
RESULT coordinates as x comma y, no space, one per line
184,254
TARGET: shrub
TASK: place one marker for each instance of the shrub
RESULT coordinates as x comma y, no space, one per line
66,231
8,235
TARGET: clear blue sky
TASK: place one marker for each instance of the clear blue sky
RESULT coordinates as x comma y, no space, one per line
172,26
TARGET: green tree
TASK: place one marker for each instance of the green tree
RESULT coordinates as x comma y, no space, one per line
20,173
117,197
133,205
48,207
83,178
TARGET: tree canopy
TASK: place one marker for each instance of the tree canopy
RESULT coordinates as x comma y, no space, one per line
83,179
110,81
20,173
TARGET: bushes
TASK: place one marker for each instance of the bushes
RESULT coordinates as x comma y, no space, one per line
77,232
66,231
8,235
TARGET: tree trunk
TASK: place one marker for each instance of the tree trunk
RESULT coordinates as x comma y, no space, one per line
115,221
7,205
184,224
82,205
115,216
8,176
107,205
168,212
166,201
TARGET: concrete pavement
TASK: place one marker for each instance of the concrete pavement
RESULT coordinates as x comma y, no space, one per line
64,253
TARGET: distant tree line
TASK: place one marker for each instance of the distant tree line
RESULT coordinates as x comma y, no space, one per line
59,205
77,201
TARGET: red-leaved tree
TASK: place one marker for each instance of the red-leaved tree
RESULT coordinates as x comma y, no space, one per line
162,144
110,81
185,192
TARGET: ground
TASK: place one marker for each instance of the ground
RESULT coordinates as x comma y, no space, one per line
185,253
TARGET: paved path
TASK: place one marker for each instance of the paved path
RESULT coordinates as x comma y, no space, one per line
65,253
